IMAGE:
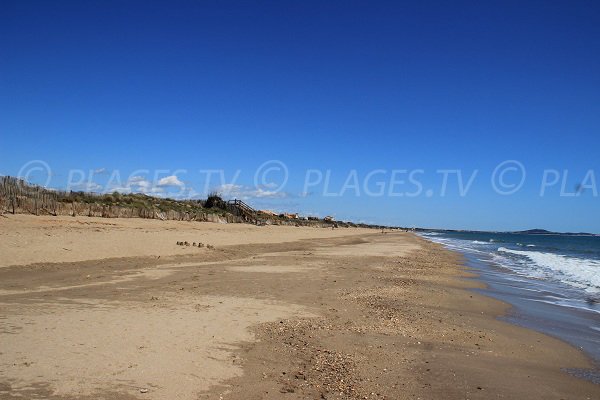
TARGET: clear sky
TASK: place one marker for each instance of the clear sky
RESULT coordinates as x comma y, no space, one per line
148,94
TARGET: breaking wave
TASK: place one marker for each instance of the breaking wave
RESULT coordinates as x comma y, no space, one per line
577,272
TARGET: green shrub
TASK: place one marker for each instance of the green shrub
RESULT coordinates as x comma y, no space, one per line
214,200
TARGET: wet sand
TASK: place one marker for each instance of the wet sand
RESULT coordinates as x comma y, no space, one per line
344,314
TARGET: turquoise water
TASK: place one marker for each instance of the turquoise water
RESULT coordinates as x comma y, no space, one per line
552,281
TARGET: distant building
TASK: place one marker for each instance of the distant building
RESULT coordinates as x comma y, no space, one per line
328,218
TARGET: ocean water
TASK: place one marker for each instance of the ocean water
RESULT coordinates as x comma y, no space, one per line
552,281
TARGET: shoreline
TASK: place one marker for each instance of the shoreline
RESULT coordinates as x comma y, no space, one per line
548,319
512,377
546,306
351,315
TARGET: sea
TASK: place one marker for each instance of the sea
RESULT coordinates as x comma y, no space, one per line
552,282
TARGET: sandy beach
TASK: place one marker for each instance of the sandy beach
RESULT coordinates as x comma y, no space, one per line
94,308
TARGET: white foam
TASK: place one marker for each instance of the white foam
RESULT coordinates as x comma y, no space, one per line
454,244
577,272
566,303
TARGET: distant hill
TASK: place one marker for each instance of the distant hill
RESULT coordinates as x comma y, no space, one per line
536,232
527,232
545,232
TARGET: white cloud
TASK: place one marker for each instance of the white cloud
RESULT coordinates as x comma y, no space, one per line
87,187
245,192
140,182
229,188
269,194
170,181
137,178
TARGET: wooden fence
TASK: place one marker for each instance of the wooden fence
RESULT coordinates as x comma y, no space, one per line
19,197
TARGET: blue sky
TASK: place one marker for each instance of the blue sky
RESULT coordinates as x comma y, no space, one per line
155,92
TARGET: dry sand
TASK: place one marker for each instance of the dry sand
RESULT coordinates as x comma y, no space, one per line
25,239
90,348
273,312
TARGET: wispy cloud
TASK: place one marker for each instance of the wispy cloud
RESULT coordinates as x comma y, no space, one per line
170,181
87,187
138,184
246,192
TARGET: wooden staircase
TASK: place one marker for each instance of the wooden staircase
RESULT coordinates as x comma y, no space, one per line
239,208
